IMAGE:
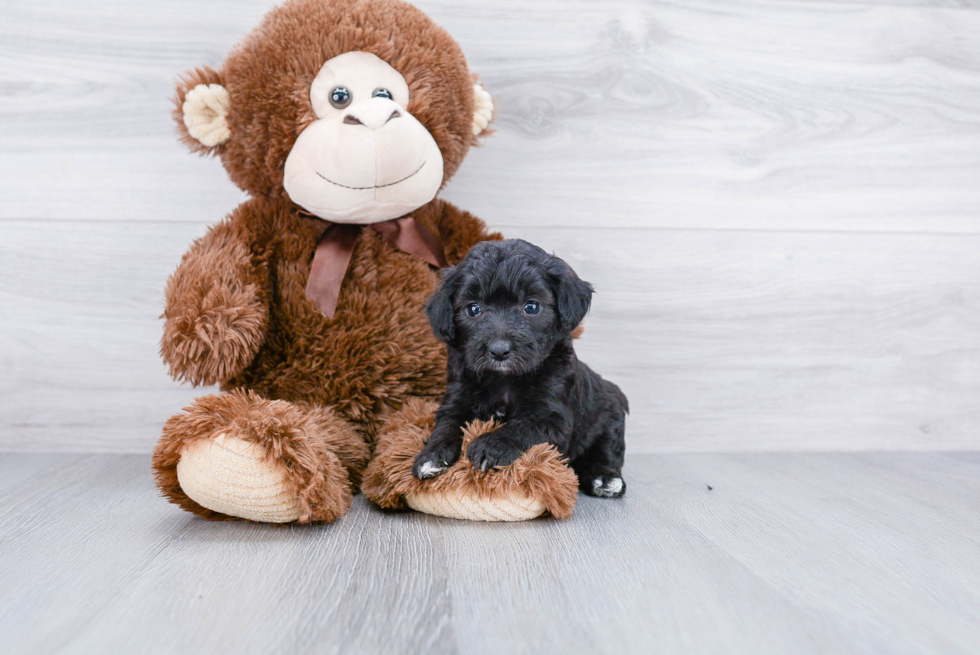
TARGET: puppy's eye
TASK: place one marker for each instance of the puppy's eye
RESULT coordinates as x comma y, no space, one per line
382,93
340,97
532,308
473,310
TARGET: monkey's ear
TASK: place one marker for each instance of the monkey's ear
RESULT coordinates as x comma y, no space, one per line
573,294
482,109
440,307
201,110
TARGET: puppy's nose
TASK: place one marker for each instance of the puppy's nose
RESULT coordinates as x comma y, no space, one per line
500,350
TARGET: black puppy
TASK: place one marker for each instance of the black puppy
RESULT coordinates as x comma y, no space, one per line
507,312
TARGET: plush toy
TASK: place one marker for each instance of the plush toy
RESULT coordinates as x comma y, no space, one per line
342,119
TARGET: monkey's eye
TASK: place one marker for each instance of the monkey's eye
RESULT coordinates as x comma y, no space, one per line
473,310
340,97
532,307
382,93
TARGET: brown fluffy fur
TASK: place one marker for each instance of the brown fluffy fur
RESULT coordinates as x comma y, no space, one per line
539,473
313,391
268,77
202,75
306,443
216,309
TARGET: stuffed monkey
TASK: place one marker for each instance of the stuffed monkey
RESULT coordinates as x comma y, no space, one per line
342,120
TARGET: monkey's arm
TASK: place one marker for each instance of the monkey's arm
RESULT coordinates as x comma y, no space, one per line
216,309
459,230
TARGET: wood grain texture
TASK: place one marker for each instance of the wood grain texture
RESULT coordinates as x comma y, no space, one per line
723,340
80,333
789,115
763,192
805,553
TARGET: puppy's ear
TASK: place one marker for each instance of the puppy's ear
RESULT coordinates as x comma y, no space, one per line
440,306
573,294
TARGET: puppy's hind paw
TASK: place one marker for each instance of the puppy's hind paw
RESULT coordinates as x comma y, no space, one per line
604,486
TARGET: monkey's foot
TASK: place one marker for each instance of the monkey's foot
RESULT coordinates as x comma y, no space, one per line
237,455
236,477
538,482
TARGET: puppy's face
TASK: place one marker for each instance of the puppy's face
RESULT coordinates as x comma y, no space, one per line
507,305
507,321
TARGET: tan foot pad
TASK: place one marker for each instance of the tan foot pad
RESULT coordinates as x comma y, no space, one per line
234,477
473,508
538,483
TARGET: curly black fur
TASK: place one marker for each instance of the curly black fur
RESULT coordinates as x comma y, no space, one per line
507,312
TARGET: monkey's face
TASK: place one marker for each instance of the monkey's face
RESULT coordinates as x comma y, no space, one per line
365,158
358,111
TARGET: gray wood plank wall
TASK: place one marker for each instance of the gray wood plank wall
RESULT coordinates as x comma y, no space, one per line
779,203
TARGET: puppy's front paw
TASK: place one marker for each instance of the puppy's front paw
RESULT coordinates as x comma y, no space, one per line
491,451
434,459
603,486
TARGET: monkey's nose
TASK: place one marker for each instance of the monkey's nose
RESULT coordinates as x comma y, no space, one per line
372,114
500,350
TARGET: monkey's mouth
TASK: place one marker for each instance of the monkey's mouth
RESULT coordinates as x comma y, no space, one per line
377,186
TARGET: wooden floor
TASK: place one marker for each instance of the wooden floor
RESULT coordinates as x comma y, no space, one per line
707,553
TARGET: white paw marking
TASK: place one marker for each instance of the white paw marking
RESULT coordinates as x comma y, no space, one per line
607,490
430,470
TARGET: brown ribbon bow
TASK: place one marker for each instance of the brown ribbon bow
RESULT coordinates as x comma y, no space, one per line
336,245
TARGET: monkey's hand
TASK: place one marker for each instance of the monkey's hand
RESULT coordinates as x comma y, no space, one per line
216,318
